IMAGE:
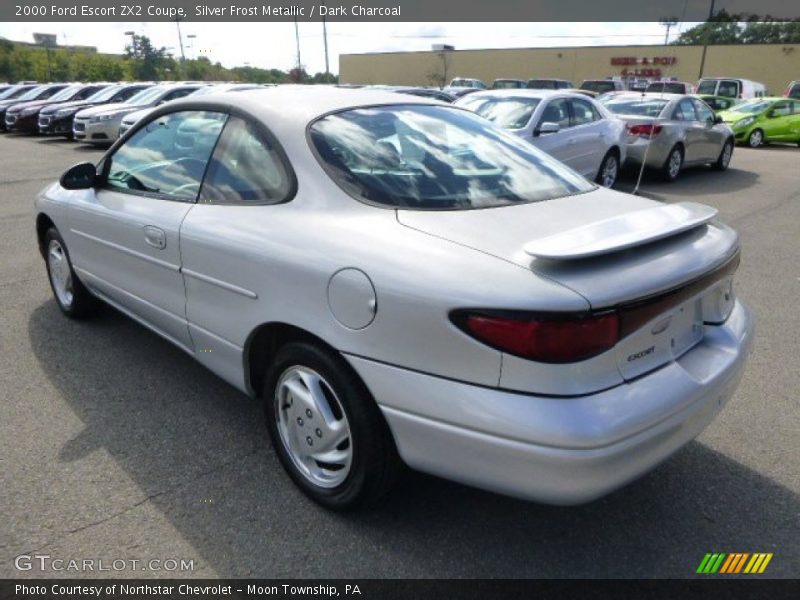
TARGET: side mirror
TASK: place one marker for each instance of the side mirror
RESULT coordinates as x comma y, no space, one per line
548,128
82,176
717,119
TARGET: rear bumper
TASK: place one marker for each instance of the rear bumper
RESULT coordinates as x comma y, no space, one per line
656,152
559,450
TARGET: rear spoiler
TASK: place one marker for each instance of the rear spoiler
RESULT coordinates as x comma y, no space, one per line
622,232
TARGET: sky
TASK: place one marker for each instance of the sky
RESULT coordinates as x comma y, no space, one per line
272,45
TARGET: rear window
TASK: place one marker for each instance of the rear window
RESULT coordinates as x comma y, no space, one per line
601,87
667,88
542,84
648,107
435,158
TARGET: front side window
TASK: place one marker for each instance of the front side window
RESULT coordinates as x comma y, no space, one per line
435,158
781,109
704,113
245,169
684,111
708,87
507,111
582,112
168,156
557,112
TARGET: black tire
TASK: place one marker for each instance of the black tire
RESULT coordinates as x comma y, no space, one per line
722,162
668,172
756,138
83,303
610,156
375,462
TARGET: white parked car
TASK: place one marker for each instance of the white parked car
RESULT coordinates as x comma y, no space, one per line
397,278
731,87
571,127
99,125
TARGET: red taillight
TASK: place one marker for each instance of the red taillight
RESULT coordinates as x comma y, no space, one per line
645,130
549,339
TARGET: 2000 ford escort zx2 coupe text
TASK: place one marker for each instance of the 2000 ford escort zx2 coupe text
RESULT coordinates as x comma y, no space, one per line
401,281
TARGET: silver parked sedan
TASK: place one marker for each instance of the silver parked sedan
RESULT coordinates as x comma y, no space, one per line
402,281
568,126
670,131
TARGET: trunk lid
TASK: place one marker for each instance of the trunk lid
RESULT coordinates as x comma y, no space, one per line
663,264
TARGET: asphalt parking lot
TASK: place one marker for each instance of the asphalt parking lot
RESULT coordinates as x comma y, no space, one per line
116,445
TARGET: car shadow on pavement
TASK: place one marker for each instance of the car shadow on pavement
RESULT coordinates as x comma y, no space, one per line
693,182
197,450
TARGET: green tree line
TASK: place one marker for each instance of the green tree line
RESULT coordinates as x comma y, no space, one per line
141,62
727,28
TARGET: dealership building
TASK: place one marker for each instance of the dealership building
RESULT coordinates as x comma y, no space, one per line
771,64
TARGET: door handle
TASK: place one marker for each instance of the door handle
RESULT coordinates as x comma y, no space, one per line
155,237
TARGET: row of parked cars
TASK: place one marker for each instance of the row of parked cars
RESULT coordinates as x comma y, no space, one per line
95,113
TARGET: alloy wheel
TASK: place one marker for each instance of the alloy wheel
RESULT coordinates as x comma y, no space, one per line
60,273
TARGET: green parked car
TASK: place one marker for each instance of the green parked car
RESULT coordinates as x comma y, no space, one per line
762,120
718,103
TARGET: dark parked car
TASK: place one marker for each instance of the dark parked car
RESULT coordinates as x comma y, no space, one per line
24,116
549,84
56,119
670,87
33,92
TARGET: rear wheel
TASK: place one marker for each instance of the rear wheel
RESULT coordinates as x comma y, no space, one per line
609,170
756,138
673,164
725,155
72,297
329,434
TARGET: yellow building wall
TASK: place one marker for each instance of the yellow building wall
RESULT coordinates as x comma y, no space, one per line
772,64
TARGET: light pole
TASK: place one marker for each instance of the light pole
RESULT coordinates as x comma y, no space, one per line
180,38
192,36
133,41
705,39
668,22
325,41
299,64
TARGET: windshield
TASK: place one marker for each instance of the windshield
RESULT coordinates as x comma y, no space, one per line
67,93
105,94
648,107
147,96
752,107
13,92
506,112
434,157
34,93
543,84
707,87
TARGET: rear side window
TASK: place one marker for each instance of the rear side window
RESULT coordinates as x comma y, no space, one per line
245,169
167,157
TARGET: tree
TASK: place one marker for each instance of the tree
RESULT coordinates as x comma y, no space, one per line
148,62
725,28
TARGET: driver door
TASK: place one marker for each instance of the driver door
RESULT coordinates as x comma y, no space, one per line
125,232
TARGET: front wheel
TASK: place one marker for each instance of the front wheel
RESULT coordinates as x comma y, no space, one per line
756,138
724,158
329,434
72,297
673,164
609,170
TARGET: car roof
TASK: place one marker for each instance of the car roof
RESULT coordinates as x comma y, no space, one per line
528,92
303,103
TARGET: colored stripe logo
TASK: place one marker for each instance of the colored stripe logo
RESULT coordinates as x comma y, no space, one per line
735,562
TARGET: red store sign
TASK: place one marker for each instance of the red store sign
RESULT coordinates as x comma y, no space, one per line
644,61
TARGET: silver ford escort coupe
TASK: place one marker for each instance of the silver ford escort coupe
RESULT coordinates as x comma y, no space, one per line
401,281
